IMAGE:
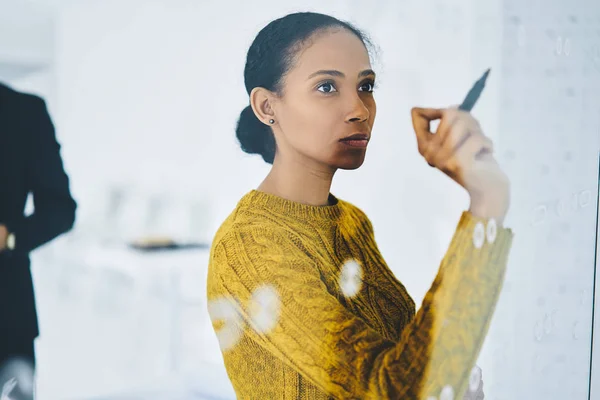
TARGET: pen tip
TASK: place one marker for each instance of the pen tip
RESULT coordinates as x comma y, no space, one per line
486,73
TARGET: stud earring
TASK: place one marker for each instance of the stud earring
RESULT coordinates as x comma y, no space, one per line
271,121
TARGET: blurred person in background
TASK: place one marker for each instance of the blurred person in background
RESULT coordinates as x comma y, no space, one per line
302,301
30,162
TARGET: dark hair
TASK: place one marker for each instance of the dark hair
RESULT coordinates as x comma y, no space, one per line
269,58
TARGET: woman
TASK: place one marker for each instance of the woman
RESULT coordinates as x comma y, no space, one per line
302,302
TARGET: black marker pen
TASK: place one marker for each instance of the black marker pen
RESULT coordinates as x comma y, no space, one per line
474,93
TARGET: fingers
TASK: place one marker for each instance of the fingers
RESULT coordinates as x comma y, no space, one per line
455,127
457,143
421,120
458,135
459,163
450,116
441,149
430,114
475,145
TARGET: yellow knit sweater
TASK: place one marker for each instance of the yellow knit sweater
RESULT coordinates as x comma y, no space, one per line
305,307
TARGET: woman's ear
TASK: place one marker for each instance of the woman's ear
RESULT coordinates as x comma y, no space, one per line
261,102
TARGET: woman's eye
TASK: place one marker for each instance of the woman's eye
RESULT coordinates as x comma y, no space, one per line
367,87
326,88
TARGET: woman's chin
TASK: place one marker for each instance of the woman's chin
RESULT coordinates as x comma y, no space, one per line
350,163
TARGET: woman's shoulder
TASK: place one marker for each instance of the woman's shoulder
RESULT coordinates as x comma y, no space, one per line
243,244
355,215
352,208
248,227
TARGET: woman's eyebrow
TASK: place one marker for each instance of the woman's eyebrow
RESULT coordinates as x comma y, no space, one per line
333,72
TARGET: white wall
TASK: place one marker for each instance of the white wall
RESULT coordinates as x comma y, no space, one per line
550,142
26,40
147,93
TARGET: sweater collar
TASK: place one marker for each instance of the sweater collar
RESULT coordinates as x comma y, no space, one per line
291,208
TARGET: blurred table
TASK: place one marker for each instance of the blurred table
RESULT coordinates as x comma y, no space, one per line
113,319
179,275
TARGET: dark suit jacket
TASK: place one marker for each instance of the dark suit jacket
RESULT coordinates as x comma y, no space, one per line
30,162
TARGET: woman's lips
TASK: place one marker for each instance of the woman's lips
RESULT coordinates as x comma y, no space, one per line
356,142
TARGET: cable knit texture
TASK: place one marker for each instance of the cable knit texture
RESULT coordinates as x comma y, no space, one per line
296,322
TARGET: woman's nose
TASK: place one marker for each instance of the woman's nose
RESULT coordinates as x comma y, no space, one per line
358,111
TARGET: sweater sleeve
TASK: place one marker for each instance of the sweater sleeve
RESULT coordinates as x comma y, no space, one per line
313,333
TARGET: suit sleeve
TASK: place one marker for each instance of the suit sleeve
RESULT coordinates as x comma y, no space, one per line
337,351
46,180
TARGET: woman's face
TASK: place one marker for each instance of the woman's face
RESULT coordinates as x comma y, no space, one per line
327,97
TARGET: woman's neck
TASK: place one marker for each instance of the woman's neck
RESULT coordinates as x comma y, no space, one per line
298,182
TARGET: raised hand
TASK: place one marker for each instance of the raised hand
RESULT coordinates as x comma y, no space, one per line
459,149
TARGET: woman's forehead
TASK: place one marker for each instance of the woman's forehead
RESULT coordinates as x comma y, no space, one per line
338,50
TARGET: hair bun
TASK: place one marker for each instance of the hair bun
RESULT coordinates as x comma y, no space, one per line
254,136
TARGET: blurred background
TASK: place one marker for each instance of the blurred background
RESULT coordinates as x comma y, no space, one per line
145,95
